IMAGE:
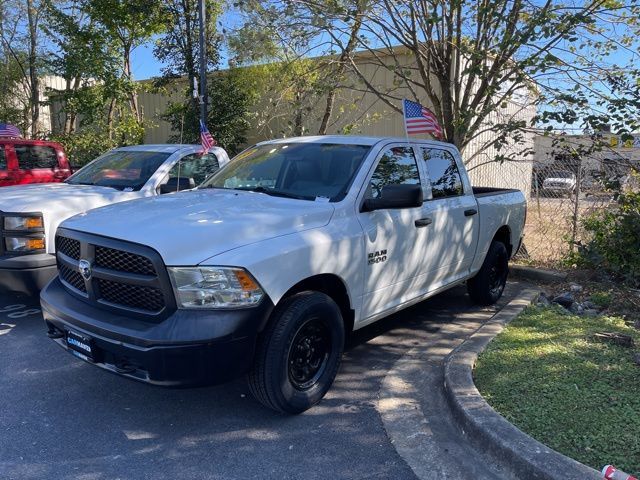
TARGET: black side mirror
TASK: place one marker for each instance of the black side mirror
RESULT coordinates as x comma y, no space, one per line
395,196
175,184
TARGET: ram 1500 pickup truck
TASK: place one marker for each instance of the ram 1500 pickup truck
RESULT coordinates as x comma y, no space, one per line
30,214
267,266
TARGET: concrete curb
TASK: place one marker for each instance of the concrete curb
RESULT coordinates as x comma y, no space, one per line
537,274
488,430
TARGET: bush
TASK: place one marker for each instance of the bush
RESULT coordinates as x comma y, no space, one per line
86,144
614,238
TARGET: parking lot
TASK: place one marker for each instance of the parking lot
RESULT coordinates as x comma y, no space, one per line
62,418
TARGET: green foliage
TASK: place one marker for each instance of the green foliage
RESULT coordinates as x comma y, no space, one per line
178,47
88,143
602,299
613,236
547,375
230,96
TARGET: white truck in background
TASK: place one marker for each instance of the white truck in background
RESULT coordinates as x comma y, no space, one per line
267,266
30,214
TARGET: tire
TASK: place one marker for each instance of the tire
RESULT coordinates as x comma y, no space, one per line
488,284
298,354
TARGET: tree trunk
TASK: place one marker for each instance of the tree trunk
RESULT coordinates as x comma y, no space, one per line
34,82
341,68
133,97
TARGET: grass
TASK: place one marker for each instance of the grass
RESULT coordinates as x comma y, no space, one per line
545,374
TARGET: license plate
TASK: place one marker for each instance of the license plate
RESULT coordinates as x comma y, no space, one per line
80,345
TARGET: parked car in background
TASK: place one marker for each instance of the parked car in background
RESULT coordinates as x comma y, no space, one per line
30,214
32,161
269,264
559,183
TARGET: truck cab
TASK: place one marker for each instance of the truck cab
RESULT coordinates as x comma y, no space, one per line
32,161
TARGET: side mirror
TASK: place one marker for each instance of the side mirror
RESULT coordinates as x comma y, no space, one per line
175,184
395,196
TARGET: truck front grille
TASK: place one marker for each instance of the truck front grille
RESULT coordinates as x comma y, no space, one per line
68,246
123,261
144,298
72,278
121,276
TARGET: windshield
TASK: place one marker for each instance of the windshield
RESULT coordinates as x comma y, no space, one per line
307,171
120,169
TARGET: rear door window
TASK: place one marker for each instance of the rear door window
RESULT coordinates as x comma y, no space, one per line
443,172
3,158
36,156
196,166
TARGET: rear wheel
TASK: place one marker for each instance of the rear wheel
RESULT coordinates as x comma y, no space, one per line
487,286
299,353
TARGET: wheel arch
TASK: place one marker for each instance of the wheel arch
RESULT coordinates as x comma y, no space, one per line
504,235
331,285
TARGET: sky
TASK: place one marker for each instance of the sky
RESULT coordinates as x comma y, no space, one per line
144,64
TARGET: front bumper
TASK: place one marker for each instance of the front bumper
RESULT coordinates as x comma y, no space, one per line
188,348
26,273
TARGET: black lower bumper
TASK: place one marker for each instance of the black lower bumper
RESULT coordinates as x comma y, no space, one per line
27,273
189,348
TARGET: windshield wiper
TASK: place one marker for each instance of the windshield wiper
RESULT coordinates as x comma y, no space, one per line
273,192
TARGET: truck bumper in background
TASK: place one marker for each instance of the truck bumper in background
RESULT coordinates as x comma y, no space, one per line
189,348
27,273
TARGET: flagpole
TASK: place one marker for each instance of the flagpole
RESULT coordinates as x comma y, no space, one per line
404,121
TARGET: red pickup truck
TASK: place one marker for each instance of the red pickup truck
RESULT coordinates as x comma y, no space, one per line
32,161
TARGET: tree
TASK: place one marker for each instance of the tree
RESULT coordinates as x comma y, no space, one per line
285,33
230,95
469,59
82,56
21,44
127,25
179,49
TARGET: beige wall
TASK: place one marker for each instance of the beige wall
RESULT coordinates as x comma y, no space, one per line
359,112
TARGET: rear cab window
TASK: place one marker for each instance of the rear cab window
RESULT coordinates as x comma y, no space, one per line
196,166
443,172
36,156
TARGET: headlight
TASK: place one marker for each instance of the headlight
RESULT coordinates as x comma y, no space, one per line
14,244
214,287
23,223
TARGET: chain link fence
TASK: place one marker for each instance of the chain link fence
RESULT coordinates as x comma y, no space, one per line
570,182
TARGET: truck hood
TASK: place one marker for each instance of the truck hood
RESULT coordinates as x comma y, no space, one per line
188,228
57,197
58,201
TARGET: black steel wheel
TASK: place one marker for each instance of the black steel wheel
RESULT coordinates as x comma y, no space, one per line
298,354
487,286
309,354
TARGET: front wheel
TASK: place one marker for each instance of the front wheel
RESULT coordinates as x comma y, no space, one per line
298,354
487,286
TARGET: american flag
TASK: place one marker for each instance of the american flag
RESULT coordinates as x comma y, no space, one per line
8,130
419,119
205,138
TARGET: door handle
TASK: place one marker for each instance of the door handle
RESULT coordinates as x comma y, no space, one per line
470,212
423,222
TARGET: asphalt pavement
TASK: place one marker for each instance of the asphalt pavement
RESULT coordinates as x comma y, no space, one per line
61,418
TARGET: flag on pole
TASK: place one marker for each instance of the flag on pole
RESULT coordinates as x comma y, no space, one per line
206,139
419,119
8,130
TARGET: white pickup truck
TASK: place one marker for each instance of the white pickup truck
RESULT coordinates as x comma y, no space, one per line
268,265
30,214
